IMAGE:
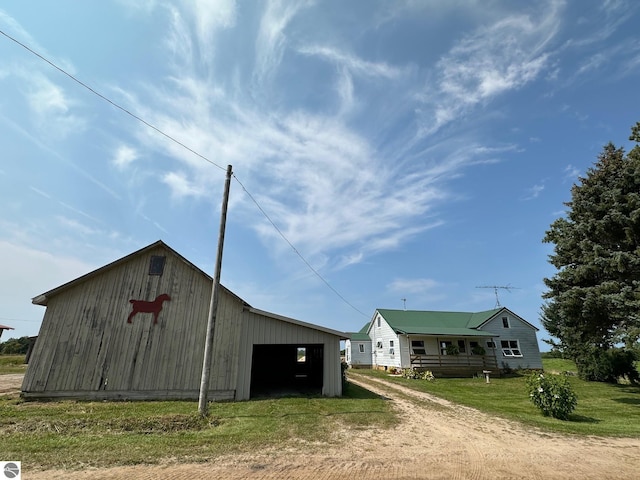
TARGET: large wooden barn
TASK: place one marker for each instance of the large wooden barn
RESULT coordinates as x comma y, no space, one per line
135,329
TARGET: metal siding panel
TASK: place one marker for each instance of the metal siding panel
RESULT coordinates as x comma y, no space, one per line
518,331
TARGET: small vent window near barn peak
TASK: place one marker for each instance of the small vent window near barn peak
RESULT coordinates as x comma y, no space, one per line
156,265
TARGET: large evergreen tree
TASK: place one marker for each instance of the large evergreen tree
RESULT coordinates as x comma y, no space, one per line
593,301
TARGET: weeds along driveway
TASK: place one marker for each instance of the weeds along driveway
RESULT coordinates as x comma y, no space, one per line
435,439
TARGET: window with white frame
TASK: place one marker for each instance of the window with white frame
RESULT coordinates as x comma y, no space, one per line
361,347
510,348
378,322
417,347
379,344
505,322
491,344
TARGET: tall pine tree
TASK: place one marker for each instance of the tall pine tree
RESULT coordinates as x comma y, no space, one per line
593,301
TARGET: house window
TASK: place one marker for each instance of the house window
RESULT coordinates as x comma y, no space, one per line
505,322
392,352
461,346
361,347
443,347
156,265
417,346
510,348
378,322
379,344
491,344
391,343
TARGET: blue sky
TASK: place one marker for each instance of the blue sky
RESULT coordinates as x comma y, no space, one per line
407,149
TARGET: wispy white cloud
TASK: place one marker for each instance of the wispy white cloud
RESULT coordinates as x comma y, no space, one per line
124,156
570,173
271,41
330,188
52,107
181,186
40,192
352,63
533,192
492,60
77,227
49,150
32,271
413,285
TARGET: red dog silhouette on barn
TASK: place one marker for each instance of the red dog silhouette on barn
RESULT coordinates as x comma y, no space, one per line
142,306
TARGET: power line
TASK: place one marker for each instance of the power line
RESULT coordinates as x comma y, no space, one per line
296,250
106,99
156,129
18,319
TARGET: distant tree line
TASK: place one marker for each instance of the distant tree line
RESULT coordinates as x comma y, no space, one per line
15,346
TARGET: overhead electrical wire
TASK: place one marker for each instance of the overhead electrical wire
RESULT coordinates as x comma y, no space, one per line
106,99
296,250
203,157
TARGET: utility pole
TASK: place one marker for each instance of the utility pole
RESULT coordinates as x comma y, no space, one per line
213,306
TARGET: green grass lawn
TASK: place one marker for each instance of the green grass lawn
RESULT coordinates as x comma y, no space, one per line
603,409
79,434
12,364
73,434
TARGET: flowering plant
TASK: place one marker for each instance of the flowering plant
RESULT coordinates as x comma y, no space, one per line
552,394
417,374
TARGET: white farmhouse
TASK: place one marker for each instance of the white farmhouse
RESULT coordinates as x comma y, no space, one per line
447,343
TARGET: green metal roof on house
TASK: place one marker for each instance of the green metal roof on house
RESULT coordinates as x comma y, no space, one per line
362,335
438,323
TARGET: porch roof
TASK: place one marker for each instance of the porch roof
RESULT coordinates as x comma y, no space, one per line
361,335
450,332
420,322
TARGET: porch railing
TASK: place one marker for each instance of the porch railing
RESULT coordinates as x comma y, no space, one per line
466,362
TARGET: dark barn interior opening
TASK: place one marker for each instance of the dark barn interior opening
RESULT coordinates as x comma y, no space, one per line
283,370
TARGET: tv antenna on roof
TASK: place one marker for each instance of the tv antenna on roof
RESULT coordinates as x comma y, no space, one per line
404,302
508,288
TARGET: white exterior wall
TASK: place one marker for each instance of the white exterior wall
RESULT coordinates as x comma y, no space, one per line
353,354
382,357
518,330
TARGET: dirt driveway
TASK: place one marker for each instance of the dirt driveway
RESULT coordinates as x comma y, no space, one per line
435,440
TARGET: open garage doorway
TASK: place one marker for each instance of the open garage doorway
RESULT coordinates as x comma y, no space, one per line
283,370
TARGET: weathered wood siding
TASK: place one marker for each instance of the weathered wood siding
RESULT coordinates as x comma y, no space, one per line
260,329
518,330
86,348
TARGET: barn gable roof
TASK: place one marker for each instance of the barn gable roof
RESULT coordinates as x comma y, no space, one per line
43,298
